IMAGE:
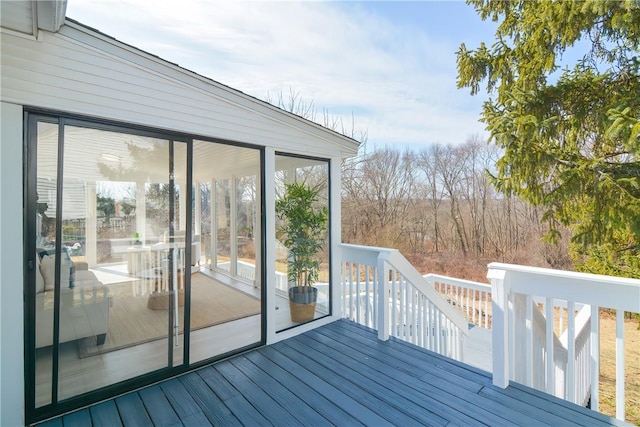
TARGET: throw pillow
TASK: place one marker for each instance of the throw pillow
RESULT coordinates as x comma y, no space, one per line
48,270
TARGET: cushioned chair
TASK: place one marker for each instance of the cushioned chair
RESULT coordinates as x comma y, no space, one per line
84,301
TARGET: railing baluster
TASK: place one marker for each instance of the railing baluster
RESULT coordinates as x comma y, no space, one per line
423,322
571,352
440,344
595,359
383,300
486,310
402,311
376,295
433,327
358,296
467,296
393,299
528,375
367,290
620,364
414,316
549,359
344,267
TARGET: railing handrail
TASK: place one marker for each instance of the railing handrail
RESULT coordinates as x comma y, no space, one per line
400,263
464,283
620,293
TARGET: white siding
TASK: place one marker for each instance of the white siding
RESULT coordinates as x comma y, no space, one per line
80,71
11,248
17,16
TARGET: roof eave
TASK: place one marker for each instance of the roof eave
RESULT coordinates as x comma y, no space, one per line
49,15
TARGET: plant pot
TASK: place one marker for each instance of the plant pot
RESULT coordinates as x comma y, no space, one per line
302,303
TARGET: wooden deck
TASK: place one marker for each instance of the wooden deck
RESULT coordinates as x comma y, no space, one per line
339,374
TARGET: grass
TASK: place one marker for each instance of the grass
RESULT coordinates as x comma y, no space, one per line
608,367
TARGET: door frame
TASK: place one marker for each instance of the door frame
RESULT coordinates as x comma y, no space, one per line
31,118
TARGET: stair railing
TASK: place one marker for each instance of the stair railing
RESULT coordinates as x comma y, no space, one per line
382,290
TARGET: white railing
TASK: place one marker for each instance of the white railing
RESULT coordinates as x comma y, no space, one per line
582,339
382,290
471,299
521,349
247,271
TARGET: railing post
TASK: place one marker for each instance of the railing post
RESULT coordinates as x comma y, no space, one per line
383,301
500,328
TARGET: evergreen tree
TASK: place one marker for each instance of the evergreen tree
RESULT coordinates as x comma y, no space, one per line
571,136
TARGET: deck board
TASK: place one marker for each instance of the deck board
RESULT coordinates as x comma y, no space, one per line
213,408
338,397
55,422
158,407
409,387
132,411
105,414
298,408
388,404
79,418
338,374
270,408
183,403
237,404
317,401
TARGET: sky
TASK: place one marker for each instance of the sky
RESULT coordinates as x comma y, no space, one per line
388,68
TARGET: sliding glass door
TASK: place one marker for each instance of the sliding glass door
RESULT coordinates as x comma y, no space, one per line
145,256
109,257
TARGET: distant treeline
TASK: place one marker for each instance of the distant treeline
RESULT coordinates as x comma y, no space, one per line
440,200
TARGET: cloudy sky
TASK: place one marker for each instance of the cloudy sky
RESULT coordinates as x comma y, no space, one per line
391,65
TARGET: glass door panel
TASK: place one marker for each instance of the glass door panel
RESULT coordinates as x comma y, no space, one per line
225,295
109,240
302,240
45,238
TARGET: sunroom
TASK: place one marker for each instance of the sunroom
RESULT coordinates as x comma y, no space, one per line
149,234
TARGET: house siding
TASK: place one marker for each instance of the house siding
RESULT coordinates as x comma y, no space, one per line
82,72
11,274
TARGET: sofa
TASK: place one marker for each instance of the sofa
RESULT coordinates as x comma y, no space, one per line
84,301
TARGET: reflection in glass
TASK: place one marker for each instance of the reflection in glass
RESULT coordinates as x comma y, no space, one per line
121,264
124,266
225,279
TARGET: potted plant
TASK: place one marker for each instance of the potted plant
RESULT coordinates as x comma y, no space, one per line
304,230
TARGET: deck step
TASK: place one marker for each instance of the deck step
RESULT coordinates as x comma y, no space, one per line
477,350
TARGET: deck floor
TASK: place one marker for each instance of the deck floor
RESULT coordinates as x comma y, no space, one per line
339,374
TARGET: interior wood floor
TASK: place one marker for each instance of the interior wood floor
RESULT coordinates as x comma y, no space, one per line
77,376
81,375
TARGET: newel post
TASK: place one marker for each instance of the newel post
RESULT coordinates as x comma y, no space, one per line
383,300
500,326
